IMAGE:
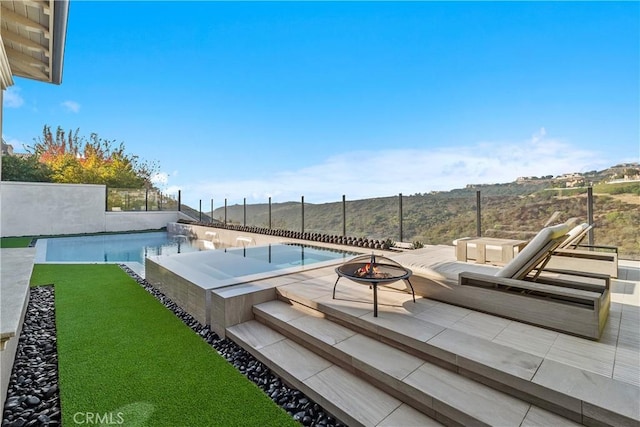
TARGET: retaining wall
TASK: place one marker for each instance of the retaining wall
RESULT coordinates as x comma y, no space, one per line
45,209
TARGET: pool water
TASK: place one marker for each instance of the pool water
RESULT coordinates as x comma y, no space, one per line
130,247
237,262
225,267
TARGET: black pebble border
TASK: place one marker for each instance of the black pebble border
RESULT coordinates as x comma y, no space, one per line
33,398
300,407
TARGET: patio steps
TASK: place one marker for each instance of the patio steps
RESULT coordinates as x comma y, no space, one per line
342,393
576,394
349,374
452,373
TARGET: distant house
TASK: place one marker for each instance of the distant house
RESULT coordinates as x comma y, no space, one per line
7,149
526,179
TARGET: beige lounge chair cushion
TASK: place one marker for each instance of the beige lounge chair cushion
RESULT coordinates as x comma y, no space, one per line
449,271
575,233
531,255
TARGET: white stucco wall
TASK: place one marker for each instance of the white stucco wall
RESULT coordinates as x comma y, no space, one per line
38,209
126,221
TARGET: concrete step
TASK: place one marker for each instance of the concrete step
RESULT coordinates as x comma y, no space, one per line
346,396
575,394
441,393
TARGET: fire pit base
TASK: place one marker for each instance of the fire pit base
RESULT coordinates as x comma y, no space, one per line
374,271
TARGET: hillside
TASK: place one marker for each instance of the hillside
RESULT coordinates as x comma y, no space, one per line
514,210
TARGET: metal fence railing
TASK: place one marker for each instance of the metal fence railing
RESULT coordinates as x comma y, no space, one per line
434,218
400,217
128,199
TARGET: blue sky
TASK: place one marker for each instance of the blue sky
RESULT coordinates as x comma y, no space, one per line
366,99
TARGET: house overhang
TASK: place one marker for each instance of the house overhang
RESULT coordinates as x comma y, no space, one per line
32,34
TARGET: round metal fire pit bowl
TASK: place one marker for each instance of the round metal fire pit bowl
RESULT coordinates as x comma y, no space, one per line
373,270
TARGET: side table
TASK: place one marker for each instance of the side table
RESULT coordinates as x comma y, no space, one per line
483,250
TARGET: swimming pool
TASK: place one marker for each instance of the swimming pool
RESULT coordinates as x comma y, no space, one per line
222,267
211,285
239,262
111,248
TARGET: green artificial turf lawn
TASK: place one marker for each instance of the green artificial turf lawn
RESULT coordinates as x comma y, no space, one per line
15,242
123,354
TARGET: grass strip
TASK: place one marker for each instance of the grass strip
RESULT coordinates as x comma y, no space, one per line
126,359
15,242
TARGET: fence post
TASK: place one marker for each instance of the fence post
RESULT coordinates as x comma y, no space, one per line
302,212
590,213
478,215
269,212
344,216
146,199
200,211
244,212
179,200
211,216
400,214
225,211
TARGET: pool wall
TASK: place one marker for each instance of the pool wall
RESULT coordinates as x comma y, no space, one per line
225,306
218,308
187,295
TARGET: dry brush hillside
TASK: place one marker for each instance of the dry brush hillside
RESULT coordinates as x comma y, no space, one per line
507,210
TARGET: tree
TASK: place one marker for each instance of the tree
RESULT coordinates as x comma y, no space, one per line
75,159
26,169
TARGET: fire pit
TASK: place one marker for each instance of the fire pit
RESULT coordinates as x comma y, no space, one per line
373,270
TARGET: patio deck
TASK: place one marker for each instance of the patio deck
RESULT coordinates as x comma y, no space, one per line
15,272
429,362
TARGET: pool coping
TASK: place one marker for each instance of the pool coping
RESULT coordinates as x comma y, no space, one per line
208,282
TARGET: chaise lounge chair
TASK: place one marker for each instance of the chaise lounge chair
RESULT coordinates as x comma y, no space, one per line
573,255
525,289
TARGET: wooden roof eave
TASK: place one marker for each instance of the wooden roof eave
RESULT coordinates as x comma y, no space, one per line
33,38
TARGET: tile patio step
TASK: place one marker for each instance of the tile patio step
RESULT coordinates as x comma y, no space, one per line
342,393
441,393
515,372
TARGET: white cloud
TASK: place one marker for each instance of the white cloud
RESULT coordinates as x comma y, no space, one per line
173,189
538,135
160,178
71,106
365,174
12,97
